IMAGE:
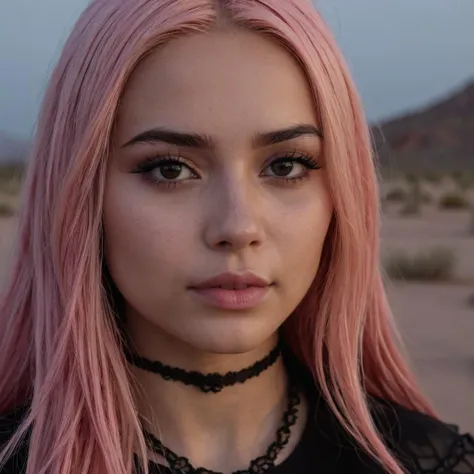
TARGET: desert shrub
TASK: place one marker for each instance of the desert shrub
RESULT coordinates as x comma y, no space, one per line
11,178
471,224
465,180
10,187
396,195
412,177
470,300
414,200
6,210
429,265
433,177
454,200
9,171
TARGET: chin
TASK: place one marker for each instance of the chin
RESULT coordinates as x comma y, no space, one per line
228,347
233,340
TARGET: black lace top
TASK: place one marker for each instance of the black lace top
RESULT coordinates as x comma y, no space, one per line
422,444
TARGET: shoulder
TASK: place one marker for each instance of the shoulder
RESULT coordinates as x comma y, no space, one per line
9,422
423,444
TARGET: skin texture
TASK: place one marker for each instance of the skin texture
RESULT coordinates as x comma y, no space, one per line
229,211
162,239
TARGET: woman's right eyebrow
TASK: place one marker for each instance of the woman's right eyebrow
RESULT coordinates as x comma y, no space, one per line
200,141
172,137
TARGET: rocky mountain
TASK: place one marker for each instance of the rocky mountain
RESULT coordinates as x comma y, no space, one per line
439,138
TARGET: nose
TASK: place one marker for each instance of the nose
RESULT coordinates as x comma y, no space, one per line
234,222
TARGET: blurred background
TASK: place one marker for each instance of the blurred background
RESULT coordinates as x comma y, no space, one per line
413,62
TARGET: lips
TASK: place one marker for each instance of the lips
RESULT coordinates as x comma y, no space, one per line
233,281
231,291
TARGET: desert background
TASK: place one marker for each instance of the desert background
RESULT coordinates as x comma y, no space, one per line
427,199
426,164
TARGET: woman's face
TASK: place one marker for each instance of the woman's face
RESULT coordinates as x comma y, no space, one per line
216,171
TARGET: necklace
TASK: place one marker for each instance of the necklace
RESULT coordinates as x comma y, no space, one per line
259,465
213,382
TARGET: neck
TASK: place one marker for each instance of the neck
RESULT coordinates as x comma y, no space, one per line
220,431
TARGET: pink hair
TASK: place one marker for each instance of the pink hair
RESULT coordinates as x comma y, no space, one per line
58,329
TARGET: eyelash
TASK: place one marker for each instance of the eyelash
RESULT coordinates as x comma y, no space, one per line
147,166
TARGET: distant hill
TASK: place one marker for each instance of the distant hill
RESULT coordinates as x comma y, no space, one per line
439,138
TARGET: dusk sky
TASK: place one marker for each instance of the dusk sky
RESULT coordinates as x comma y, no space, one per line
403,53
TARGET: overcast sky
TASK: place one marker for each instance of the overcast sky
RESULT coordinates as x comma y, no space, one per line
403,53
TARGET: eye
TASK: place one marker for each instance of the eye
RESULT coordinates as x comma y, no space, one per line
286,168
171,171
161,170
293,166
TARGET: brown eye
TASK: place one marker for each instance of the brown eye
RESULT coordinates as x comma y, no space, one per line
282,168
166,170
291,167
286,169
170,170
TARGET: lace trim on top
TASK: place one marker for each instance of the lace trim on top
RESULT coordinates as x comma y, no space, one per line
459,458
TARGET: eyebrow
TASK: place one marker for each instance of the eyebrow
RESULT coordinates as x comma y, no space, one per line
195,140
286,134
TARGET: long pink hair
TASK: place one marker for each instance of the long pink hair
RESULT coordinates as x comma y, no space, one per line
60,345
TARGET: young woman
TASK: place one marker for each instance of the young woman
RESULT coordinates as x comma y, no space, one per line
196,280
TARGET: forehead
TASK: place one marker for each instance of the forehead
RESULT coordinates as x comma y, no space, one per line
216,83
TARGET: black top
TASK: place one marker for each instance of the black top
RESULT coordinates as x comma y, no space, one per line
422,444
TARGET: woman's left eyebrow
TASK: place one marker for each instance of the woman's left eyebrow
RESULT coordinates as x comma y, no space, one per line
198,141
286,134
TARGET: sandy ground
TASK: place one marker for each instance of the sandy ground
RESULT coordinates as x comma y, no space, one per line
435,319
438,329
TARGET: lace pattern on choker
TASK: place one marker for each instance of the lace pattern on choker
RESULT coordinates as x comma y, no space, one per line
208,383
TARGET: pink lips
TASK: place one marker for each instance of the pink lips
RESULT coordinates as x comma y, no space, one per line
232,291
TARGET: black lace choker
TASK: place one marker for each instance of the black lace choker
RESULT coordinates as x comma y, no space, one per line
258,465
214,382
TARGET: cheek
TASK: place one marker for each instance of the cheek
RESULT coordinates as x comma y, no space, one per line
303,234
306,234
145,243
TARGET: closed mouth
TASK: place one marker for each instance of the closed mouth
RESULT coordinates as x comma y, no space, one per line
233,282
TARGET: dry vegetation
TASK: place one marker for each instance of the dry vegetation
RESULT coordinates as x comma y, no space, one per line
470,300
435,252
426,265
11,178
412,193
454,200
428,253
